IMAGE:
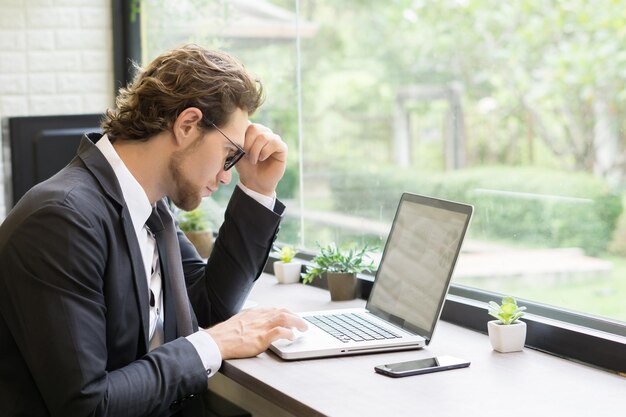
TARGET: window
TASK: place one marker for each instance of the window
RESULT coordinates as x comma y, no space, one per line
515,107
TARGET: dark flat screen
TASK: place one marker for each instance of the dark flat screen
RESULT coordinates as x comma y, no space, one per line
36,147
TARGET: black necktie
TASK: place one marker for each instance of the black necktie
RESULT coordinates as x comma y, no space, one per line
161,224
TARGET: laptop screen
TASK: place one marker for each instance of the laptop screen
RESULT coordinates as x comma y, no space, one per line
417,263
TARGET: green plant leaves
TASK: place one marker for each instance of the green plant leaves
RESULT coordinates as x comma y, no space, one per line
286,253
508,312
193,221
333,259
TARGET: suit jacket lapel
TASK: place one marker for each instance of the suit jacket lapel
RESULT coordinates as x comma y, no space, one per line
169,321
139,275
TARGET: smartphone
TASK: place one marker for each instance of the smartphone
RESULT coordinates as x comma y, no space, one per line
421,366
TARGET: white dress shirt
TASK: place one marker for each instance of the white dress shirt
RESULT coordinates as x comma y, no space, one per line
140,209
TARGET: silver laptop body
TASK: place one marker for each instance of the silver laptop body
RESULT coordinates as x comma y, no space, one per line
409,290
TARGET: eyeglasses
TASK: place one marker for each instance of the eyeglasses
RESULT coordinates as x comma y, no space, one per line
234,158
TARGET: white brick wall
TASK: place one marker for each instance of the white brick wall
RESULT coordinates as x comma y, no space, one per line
55,58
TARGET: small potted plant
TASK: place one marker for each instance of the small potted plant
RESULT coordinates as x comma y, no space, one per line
507,333
195,226
286,270
340,268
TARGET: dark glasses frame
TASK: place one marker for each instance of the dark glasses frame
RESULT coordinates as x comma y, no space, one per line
233,159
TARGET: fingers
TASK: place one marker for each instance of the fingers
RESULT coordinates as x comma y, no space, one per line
287,319
252,331
280,333
261,143
265,161
284,321
278,317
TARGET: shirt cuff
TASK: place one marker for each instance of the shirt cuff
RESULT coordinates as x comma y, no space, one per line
207,350
264,200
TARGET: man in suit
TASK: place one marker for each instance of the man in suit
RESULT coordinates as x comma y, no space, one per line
97,317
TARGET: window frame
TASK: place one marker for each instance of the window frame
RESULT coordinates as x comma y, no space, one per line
126,27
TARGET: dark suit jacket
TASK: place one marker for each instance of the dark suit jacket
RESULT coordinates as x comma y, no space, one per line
74,299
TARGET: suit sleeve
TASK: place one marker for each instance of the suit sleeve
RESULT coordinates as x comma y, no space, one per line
218,289
51,297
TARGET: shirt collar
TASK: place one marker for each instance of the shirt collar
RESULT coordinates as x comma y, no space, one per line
134,195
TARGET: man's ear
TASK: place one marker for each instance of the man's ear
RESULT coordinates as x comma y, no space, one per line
186,125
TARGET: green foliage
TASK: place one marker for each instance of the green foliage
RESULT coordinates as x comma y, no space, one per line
540,79
508,312
540,207
289,183
536,76
333,259
193,221
285,254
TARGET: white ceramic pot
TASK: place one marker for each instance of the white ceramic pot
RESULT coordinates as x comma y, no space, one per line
287,273
507,337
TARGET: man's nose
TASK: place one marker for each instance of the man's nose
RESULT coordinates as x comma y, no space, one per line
224,177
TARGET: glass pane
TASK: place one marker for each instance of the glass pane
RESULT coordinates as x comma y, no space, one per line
515,107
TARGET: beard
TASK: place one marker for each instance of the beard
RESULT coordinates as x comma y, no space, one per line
186,195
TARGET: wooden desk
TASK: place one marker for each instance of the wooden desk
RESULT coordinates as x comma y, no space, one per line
527,383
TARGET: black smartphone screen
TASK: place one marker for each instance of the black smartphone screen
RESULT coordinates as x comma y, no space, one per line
421,366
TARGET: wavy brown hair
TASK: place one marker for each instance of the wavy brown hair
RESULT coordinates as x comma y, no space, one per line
188,76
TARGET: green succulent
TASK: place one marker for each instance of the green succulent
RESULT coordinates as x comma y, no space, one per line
286,253
508,312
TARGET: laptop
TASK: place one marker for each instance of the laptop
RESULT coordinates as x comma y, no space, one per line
408,293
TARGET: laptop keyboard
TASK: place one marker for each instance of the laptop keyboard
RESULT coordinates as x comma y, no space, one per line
350,327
